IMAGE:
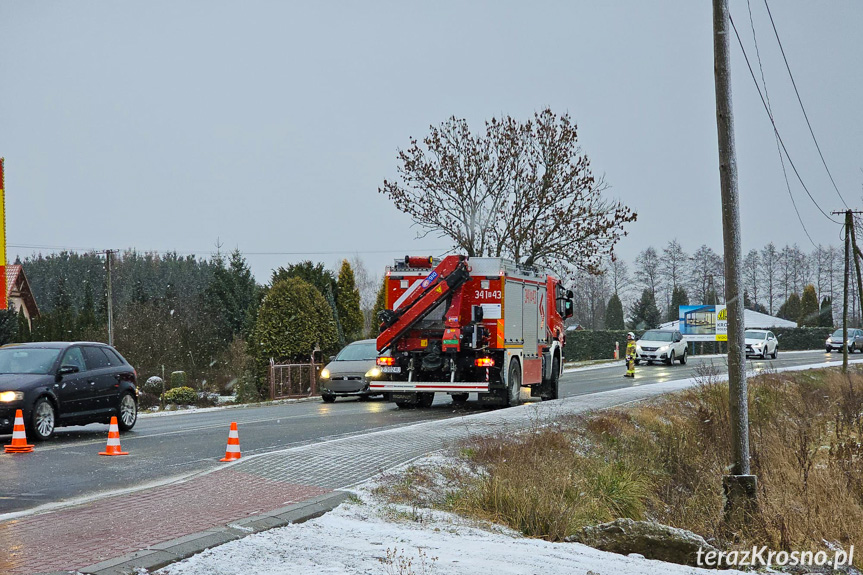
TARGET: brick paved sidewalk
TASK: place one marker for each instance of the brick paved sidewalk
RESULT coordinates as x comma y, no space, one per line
76,537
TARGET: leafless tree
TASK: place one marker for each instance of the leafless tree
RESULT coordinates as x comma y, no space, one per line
752,275
647,270
368,284
519,190
770,274
706,270
673,266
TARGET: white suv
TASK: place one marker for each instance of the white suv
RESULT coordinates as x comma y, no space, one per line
661,345
761,343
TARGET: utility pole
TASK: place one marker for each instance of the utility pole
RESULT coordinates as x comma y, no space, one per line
109,255
740,486
850,237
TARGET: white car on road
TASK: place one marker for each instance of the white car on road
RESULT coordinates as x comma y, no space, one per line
761,343
661,345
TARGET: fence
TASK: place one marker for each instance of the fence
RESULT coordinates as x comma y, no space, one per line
293,380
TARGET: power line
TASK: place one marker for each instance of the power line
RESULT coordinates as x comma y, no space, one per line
773,122
805,115
776,137
187,252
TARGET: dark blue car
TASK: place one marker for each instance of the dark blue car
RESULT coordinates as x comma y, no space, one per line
57,384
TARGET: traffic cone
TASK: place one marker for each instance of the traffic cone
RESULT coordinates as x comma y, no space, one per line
19,436
113,447
232,453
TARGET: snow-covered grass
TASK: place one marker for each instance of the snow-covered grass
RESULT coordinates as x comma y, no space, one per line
369,535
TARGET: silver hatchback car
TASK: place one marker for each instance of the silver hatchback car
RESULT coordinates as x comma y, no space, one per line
350,372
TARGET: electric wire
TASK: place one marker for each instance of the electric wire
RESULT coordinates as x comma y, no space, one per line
800,101
775,129
776,137
188,252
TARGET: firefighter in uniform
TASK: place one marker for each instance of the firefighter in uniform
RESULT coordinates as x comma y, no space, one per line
630,355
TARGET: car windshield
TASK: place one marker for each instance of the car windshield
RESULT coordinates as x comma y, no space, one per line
358,352
656,335
27,360
838,333
755,335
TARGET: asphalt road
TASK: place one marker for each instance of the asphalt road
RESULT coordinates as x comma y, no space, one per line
166,447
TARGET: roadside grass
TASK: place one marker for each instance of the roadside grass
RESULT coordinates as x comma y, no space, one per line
664,460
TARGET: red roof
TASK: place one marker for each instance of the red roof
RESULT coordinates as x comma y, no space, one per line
12,280
11,275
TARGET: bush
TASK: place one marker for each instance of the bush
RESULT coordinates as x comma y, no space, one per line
147,400
178,379
154,386
293,319
181,396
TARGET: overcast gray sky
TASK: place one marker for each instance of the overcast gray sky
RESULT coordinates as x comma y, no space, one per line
270,125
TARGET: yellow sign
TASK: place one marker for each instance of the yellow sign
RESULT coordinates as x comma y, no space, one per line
721,323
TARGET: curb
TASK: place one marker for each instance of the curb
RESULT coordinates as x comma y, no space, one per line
158,556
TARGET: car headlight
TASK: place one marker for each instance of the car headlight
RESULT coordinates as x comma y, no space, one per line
663,349
10,396
325,373
373,372
638,349
828,341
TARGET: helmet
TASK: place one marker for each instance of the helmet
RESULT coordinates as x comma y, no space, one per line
630,335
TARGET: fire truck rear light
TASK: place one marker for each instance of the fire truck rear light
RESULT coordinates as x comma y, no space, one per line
484,362
386,361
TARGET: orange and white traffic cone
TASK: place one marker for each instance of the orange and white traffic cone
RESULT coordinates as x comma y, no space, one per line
232,453
19,436
113,447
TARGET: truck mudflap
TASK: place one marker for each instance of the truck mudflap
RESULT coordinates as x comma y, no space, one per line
435,386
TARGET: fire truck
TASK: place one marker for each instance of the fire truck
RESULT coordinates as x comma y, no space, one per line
470,325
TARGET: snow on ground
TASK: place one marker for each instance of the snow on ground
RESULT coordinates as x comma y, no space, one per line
359,536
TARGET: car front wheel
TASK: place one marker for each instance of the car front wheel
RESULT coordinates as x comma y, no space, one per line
671,358
328,398
775,352
43,419
683,358
128,414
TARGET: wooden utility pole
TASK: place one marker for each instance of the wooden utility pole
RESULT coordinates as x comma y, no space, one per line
109,254
740,486
849,221
850,237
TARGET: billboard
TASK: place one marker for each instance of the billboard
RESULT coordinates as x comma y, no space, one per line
703,322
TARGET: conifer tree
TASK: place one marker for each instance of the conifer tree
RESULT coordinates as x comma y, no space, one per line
348,302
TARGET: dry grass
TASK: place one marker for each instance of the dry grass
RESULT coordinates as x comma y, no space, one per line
664,461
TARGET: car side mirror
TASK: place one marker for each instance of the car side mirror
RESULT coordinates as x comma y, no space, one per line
332,358
568,309
66,370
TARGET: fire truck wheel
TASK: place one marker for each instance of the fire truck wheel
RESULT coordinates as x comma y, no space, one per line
426,399
460,398
554,382
514,384
405,405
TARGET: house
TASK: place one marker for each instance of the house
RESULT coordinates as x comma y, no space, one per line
18,293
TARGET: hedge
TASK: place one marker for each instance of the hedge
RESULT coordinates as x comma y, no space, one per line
586,344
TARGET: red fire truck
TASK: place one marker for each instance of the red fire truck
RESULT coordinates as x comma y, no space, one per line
463,325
